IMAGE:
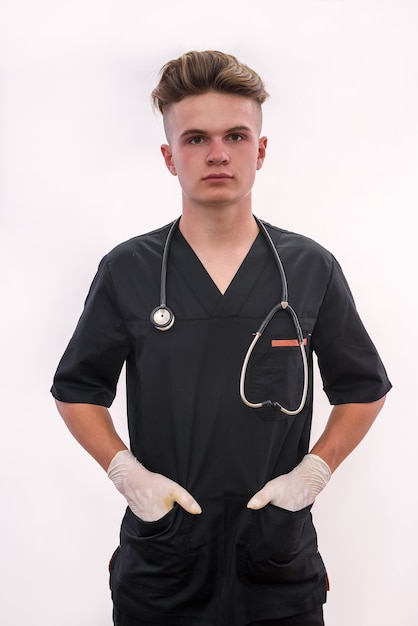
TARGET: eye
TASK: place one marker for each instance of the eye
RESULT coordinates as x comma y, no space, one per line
195,141
236,137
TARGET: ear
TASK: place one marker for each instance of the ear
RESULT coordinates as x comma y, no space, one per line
262,147
168,158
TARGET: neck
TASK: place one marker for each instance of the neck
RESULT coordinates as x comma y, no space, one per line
217,227
221,240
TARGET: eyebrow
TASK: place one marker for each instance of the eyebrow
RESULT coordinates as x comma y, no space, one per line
199,131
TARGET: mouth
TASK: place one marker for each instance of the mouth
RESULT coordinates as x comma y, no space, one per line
220,176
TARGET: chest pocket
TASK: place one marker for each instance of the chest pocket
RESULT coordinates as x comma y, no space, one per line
275,371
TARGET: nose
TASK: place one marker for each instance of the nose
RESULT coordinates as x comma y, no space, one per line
217,154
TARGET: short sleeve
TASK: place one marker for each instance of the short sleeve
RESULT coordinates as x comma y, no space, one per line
350,365
90,367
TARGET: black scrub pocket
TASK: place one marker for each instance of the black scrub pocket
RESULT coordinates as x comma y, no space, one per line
156,555
275,372
275,544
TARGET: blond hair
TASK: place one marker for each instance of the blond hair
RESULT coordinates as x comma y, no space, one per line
196,73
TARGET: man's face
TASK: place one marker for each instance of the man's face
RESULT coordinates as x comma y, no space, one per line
214,148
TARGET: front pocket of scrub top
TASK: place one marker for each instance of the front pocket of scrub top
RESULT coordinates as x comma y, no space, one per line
275,373
272,549
156,555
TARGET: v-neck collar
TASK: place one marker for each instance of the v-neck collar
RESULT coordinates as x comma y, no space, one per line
200,282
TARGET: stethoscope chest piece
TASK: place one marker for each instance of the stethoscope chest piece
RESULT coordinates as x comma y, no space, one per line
162,318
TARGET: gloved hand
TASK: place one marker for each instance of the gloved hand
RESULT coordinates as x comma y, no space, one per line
149,495
297,489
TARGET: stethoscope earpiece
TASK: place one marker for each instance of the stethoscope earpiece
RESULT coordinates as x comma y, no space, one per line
162,318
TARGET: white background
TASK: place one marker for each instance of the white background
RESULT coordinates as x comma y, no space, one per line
81,171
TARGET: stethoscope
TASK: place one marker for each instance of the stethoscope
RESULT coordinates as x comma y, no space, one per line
162,318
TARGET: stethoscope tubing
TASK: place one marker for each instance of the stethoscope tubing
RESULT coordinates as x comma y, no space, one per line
164,263
163,319
270,403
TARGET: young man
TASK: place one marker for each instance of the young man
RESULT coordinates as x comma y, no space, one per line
217,476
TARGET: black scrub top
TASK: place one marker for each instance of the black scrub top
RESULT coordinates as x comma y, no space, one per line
229,565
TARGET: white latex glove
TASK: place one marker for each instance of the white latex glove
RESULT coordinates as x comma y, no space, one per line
297,489
149,495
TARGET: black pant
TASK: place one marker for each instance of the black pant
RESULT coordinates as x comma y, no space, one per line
312,618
